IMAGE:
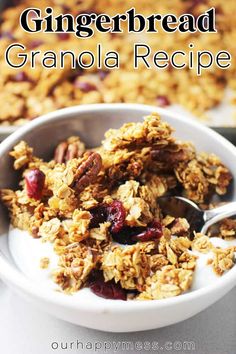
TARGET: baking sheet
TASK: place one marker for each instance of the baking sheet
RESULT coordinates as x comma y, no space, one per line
223,116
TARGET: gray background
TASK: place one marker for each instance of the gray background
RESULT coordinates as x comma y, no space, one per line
26,330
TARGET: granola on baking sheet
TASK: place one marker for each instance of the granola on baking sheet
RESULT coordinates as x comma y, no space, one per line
26,93
99,208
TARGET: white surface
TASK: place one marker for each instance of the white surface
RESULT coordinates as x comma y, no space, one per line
20,242
221,115
26,330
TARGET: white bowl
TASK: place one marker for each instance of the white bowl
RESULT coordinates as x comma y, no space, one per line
90,122
6,130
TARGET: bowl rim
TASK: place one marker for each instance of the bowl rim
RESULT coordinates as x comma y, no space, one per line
12,275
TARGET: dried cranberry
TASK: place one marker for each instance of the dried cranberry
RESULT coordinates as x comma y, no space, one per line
103,74
162,101
85,86
65,8
63,36
153,232
116,215
113,35
6,35
20,77
35,43
32,14
34,183
125,236
108,290
131,235
98,215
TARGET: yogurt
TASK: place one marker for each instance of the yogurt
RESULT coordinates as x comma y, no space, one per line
27,253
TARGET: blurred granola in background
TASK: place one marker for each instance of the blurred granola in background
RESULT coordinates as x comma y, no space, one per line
26,93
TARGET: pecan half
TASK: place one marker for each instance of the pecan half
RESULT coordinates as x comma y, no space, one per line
35,232
70,149
87,172
60,152
72,152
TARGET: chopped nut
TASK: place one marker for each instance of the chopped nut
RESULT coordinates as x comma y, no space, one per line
44,262
180,227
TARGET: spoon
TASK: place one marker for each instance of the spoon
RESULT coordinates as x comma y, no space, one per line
199,220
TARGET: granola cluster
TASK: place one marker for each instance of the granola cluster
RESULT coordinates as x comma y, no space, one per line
26,93
100,210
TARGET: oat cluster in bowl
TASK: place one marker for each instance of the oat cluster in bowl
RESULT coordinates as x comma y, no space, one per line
99,208
26,93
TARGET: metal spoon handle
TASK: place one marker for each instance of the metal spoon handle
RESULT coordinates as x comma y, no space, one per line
213,216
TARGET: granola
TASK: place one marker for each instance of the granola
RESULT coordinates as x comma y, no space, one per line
26,93
44,262
107,229
223,259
